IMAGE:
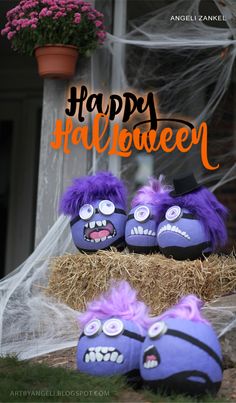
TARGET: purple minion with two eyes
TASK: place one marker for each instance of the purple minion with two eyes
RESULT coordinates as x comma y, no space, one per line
96,205
181,352
113,330
142,222
193,221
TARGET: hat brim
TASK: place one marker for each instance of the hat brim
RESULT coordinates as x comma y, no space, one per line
176,194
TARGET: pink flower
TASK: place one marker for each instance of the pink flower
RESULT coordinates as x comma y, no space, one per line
5,31
91,16
59,14
85,8
10,35
77,18
43,12
98,23
101,34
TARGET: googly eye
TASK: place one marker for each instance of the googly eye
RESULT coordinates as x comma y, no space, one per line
173,213
106,207
86,211
113,327
157,330
142,213
93,328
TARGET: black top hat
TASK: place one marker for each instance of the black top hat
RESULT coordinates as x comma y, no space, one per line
184,185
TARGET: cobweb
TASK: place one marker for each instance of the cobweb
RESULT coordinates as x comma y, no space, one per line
189,67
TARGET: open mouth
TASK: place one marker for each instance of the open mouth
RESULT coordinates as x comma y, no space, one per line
103,354
140,231
99,231
175,229
151,358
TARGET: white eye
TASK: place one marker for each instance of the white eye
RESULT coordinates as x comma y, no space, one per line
106,207
157,330
142,213
86,211
173,213
93,328
113,327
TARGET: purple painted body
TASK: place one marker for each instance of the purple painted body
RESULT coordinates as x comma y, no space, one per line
184,238
96,205
170,355
104,355
100,231
141,235
181,351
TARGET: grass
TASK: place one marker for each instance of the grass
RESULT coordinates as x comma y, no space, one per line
23,381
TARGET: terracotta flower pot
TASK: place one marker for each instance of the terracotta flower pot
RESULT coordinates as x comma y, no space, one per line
56,61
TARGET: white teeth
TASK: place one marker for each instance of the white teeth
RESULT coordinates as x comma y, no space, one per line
99,356
104,223
114,356
86,225
97,240
109,236
173,228
140,230
106,357
103,238
92,356
150,364
99,223
92,224
120,359
102,354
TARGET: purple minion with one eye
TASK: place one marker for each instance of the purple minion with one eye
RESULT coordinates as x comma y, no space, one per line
113,330
181,352
142,222
193,222
96,205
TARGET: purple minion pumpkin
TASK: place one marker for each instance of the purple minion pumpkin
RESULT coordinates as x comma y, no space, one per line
193,221
181,352
96,205
113,330
142,222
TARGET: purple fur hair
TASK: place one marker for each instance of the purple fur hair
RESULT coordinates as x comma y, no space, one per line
205,206
120,301
149,194
187,308
101,186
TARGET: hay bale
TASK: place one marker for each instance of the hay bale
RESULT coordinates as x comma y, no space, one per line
160,281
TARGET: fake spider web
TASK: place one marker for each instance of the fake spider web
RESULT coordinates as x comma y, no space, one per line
189,67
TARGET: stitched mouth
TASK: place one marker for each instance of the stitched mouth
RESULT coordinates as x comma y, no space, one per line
99,231
141,231
103,354
174,229
151,358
